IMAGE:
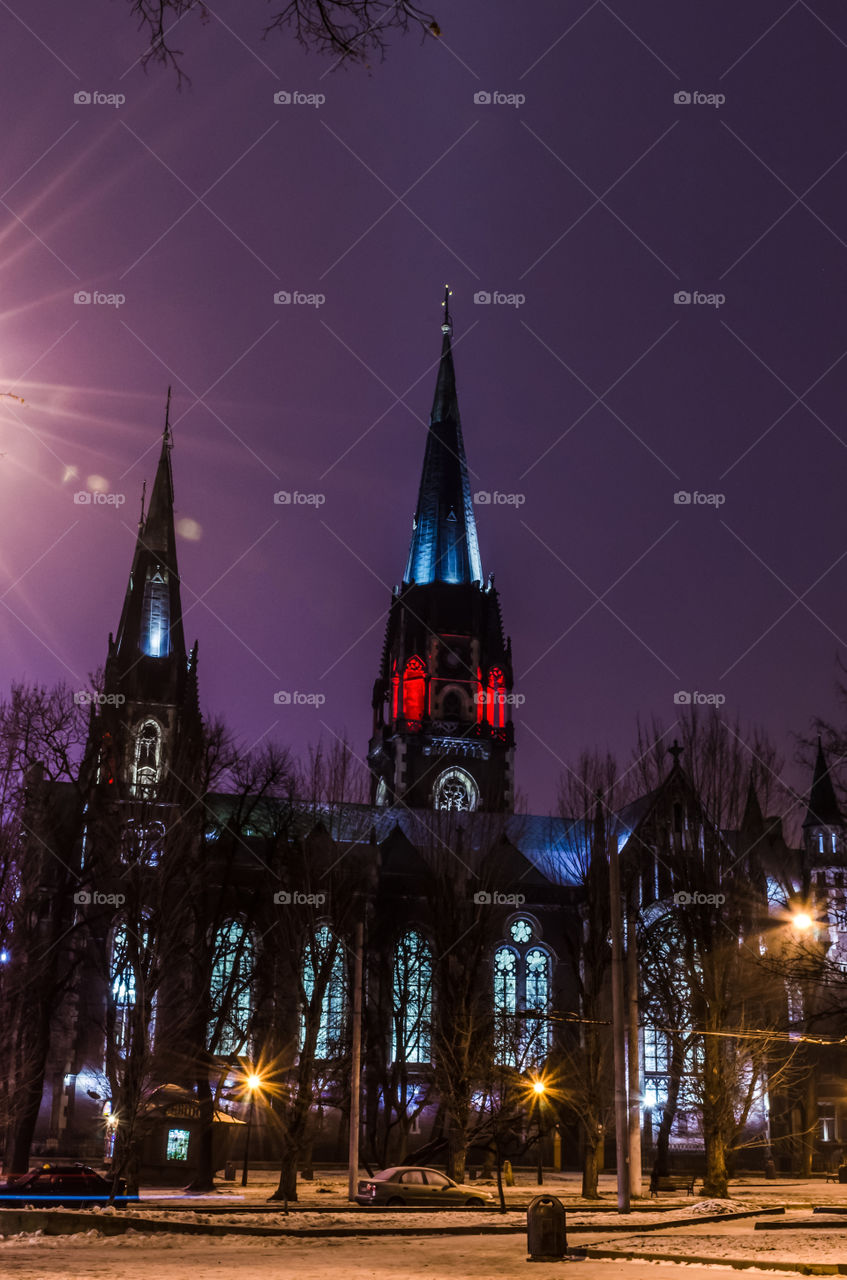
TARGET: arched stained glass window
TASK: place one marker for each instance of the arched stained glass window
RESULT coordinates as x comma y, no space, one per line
536,1039
231,990
323,979
156,615
412,987
148,759
142,842
455,789
506,1006
129,970
522,998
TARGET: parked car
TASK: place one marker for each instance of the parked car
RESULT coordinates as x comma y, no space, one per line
73,1185
418,1185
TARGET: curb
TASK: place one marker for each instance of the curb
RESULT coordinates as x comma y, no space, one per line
56,1222
737,1264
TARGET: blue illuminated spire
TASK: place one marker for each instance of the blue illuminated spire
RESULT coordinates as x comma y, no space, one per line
444,545
151,621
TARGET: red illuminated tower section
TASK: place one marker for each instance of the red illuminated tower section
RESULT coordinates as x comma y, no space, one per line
442,733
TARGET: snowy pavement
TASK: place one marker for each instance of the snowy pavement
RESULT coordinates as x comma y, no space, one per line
139,1257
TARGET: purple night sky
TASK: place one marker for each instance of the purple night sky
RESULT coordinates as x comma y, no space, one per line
597,199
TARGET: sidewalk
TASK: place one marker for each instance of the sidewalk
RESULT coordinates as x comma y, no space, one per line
328,1191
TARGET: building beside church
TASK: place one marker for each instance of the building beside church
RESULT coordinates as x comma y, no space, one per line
149,837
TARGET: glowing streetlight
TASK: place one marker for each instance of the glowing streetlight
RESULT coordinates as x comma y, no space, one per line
252,1083
537,1091
802,921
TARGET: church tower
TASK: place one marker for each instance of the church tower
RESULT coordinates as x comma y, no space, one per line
823,826
148,723
442,730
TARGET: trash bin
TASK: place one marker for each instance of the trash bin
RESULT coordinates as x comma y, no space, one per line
229,1171
842,1173
546,1230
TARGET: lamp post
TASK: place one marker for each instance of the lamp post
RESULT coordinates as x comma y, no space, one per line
252,1083
539,1089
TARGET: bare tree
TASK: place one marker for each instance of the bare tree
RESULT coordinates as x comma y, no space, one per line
43,733
706,856
589,796
348,30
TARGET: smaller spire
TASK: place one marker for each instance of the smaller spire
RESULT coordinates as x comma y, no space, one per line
447,323
823,808
752,820
675,751
167,435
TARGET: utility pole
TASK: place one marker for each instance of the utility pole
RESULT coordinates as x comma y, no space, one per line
633,1062
619,1027
356,1064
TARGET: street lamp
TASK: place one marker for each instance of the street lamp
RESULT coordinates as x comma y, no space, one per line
539,1089
802,921
252,1083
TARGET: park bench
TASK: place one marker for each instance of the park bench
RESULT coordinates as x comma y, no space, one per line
673,1182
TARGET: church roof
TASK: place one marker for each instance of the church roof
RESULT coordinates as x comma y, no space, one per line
444,546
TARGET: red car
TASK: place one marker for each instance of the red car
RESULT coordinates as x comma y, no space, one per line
52,1185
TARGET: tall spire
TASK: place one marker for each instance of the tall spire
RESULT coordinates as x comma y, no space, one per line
151,619
823,808
159,525
444,546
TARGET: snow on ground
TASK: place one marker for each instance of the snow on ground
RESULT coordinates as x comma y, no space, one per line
139,1257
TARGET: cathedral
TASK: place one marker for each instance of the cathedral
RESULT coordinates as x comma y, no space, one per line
184,897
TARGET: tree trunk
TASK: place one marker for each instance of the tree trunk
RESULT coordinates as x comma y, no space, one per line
660,1162
456,1154
592,1161
31,1059
287,1188
715,1181
715,1106
810,1116
204,1169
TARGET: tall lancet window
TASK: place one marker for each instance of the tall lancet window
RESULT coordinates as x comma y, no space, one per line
412,1013
148,759
156,615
